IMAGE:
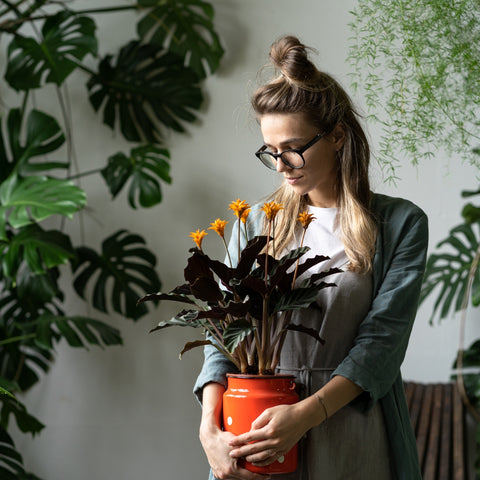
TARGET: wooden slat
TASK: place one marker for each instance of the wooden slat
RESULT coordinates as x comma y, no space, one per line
437,416
416,405
424,423
431,456
458,442
446,434
409,391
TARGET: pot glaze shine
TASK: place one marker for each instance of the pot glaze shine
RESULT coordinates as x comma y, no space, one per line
246,397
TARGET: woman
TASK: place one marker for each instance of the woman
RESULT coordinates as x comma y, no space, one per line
352,420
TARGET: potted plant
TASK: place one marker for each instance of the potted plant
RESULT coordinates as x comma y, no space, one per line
245,310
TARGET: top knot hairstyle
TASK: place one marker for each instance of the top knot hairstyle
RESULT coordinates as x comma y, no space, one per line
299,87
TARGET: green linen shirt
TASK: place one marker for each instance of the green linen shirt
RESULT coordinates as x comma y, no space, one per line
379,348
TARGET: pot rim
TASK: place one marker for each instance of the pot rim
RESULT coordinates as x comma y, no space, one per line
254,376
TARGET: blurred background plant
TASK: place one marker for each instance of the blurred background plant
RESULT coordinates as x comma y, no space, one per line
417,65
151,85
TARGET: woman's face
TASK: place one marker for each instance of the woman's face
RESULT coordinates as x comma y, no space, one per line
282,131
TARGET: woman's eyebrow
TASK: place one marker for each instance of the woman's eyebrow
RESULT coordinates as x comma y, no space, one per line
287,141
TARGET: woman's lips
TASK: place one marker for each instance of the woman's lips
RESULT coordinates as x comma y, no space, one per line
292,180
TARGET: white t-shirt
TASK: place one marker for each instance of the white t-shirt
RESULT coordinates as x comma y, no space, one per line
324,239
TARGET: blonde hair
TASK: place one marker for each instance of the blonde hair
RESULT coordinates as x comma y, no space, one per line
299,87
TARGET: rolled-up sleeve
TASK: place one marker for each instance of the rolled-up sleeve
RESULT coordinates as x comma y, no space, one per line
379,348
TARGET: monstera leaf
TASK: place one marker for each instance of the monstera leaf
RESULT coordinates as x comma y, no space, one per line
77,331
144,87
11,462
449,271
125,266
144,165
40,249
12,406
66,38
42,136
23,201
187,27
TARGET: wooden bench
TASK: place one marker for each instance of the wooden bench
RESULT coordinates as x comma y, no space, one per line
438,419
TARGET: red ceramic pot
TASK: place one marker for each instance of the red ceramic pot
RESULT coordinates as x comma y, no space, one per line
247,396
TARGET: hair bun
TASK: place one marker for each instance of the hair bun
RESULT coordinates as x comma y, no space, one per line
289,55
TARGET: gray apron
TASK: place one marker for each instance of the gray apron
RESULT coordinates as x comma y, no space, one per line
351,444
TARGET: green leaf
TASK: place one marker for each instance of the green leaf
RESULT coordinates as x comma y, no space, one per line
6,393
186,26
295,299
124,271
23,201
236,332
146,165
43,135
11,462
185,318
145,88
66,39
40,249
78,331
446,273
26,422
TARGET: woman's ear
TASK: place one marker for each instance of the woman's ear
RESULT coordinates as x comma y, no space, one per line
338,136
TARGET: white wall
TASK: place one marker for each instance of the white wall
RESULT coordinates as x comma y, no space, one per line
128,412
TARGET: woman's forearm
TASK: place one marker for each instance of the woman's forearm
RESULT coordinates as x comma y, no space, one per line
211,407
333,396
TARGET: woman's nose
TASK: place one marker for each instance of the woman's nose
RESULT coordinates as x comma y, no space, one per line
281,167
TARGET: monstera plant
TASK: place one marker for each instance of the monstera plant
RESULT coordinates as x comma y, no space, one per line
152,84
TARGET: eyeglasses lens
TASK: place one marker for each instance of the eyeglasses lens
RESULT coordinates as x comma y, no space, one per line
290,158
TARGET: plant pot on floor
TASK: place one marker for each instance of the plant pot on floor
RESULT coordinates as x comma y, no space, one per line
246,397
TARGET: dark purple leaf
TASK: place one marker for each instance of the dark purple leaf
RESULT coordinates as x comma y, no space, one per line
191,345
206,289
309,331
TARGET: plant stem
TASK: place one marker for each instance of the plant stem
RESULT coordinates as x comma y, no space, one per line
12,25
17,339
228,253
84,174
298,261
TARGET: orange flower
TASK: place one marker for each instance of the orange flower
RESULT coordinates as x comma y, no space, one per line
198,237
219,226
271,209
306,219
244,216
239,207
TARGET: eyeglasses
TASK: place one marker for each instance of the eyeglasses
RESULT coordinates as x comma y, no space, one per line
293,157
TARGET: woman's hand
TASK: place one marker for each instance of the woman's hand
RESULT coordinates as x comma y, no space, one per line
216,444
275,432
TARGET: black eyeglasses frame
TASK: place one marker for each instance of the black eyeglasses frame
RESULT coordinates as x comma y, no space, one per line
299,151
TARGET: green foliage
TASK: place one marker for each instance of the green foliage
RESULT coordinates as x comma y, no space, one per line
417,66
43,136
65,39
447,272
144,165
124,263
142,90
190,34
33,199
